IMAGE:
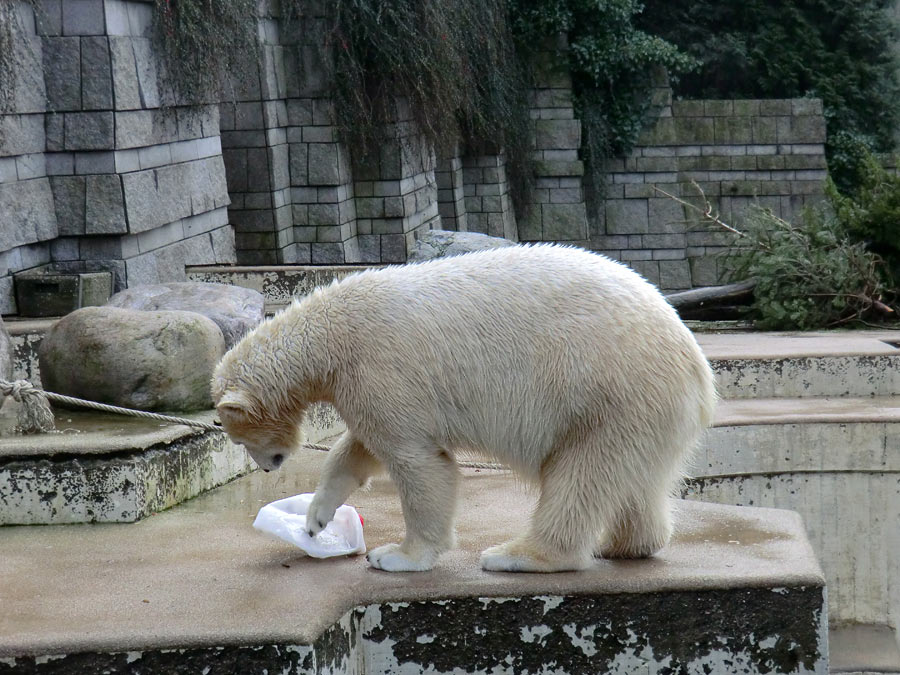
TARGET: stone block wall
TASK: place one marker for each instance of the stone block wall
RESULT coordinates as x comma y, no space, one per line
557,209
112,170
103,166
296,197
740,152
27,222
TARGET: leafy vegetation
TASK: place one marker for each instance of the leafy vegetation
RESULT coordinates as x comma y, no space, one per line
810,274
870,212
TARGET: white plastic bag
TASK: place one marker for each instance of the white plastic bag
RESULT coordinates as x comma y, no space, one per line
286,519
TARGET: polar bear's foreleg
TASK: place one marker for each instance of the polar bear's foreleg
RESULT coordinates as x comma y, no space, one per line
348,467
427,482
563,530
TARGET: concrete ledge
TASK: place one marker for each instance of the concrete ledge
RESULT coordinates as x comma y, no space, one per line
110,468
278,284
859,649
833,461
839,363
198,579
101,467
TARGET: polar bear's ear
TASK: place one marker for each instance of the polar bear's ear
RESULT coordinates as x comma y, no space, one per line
233,402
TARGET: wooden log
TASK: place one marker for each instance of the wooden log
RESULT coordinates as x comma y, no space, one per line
730,294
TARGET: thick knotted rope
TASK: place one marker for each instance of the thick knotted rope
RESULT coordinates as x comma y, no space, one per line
35,415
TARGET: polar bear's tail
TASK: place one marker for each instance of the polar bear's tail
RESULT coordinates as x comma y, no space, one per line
708,395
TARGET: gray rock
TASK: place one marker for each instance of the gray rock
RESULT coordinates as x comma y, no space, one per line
235,310
444,244
131,358
5,355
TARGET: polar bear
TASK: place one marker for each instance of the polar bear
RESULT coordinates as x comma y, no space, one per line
561,363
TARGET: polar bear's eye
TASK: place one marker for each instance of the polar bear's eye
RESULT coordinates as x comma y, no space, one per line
277,459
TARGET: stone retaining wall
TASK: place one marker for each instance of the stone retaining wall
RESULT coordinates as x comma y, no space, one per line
103,166
100,163
738,153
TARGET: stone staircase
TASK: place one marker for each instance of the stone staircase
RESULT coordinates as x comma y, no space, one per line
811,422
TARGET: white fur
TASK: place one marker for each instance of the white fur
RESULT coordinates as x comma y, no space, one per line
564,364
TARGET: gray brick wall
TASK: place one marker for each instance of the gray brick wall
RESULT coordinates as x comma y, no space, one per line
740,152
557,210
99,161
102,164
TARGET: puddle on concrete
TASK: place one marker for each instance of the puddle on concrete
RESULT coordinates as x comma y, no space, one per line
78,422
735,531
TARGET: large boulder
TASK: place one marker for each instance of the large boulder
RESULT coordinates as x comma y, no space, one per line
235,310
133,358
445,243
6,365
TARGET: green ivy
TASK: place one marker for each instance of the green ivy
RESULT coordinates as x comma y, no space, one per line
612,63
870,212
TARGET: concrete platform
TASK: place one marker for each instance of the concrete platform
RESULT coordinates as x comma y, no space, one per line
99,467
791,365
737,591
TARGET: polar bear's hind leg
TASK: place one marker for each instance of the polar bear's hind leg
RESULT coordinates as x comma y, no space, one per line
566,522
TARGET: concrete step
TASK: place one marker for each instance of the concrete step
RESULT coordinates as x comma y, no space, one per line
737,590
861,649
834,461
102,467
767,365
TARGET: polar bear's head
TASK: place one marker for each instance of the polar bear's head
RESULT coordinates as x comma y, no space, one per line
268,440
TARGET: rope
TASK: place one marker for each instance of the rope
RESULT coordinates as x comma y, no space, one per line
36,416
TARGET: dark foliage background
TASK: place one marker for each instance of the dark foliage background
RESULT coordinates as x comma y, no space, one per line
840,50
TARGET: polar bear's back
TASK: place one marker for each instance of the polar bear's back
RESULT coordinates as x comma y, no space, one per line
512,347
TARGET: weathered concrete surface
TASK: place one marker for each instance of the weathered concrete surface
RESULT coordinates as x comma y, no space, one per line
863,649
235,310
834,461
837,363
110,468
279,285
198,577
6,356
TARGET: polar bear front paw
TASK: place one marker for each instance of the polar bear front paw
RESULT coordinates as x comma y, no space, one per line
318,515
391,558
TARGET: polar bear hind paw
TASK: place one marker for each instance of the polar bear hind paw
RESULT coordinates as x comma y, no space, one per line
392,558
513,556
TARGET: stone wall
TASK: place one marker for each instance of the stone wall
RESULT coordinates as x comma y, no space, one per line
769,152
101,165
27,221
